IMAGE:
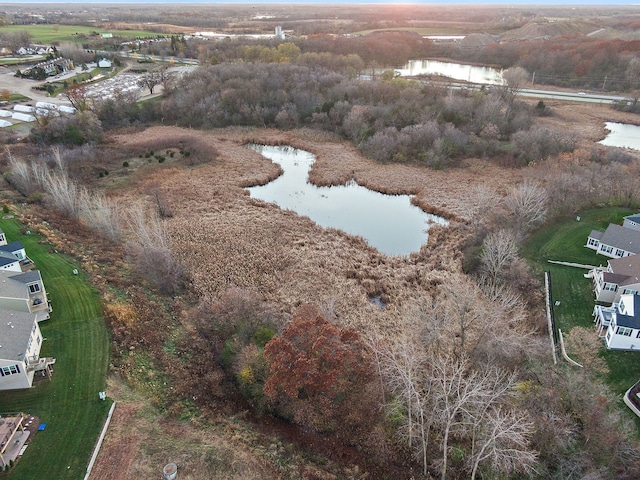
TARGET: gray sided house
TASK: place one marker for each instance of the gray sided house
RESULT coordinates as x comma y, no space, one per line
20,343
621,276
24,292
615,242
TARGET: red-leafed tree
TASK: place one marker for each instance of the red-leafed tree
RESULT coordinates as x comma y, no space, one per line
321,375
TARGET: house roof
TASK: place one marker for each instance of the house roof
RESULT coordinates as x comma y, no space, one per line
630,321
11,247
597,234
15,330
629,266
618,236
13,285
7,258
614,278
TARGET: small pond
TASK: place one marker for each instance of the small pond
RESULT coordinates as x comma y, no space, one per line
456,71
622,135
389,223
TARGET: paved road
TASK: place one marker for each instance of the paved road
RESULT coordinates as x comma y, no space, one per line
8,81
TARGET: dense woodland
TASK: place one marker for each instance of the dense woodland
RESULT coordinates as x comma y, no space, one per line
461,386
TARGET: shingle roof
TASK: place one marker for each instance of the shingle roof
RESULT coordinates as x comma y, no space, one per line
631,321
15,329
597,234
11,247
13,284
620,237
7,258
629,266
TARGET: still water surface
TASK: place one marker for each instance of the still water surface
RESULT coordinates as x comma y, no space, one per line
390,223
457,71
622,135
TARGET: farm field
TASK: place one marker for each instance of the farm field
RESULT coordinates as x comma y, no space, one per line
76,337
47,34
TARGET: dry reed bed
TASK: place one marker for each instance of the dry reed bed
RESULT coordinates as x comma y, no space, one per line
226,239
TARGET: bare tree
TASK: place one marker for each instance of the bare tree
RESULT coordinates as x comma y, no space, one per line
499,250
527,204
64,194
150,249
78,96
514,78
19,172
101,214
154,78
503,443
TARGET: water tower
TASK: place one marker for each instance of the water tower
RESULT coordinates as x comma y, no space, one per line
170,471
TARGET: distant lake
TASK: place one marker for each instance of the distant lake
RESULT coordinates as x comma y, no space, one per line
622,135
456,71
389,223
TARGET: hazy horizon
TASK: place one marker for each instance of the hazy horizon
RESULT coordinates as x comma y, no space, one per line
359,2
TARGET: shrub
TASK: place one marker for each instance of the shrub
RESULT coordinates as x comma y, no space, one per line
125,164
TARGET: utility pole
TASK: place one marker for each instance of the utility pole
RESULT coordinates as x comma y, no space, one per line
605,82
533,78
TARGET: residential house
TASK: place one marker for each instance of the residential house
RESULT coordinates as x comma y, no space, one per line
615,242
620,323
621,276
632,221
20,343
15,248
9,262
24,292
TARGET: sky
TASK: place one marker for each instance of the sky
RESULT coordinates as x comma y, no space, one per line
378,2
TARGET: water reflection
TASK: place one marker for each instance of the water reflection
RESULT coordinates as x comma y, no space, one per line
622,135
457,71
389,223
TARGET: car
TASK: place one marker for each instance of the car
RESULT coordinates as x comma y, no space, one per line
582,94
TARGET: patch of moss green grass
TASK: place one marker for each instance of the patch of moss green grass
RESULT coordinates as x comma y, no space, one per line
48,33
565,240
76,336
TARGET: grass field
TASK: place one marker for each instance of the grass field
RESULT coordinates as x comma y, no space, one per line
425,31
47,34
564,240
77,337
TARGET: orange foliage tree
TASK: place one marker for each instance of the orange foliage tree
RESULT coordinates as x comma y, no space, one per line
321,376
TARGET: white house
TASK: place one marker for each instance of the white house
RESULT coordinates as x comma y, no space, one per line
20,343
615,242
621,276
24,292
620,323
14,248
104,63
632,221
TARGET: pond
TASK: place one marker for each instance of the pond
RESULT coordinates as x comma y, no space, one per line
389,223
456,71
622,135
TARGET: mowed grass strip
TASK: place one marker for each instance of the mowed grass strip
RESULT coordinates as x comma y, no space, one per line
76,336
565,240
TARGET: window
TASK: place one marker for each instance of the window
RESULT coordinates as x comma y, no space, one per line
619,253
10,370
628,290
624,331
34,288
593,242
606,248
610,287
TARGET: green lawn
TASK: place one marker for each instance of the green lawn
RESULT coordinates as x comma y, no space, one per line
46,34
564,240
76,336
